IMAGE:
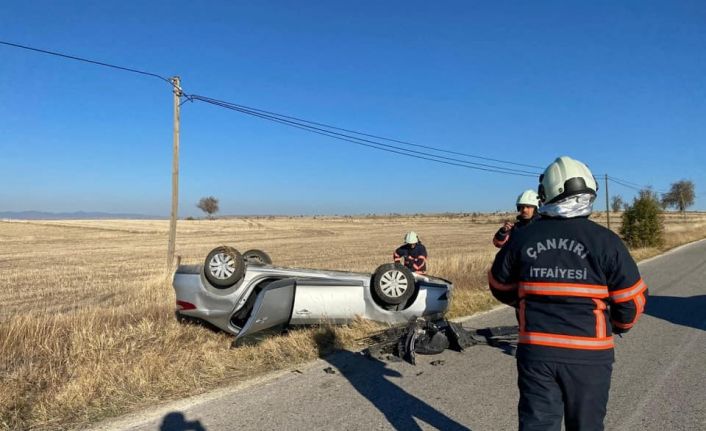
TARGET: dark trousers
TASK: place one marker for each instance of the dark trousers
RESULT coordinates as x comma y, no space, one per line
551,390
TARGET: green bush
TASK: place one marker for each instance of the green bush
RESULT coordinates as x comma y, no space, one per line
642,221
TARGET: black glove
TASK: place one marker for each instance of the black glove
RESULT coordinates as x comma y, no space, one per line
618,331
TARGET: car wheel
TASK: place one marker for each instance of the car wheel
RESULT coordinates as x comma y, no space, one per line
393,284
257,257
224,267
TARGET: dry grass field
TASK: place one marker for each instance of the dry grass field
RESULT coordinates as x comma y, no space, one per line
86,323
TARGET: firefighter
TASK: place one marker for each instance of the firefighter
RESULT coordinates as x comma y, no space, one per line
574,285
412,253
527,204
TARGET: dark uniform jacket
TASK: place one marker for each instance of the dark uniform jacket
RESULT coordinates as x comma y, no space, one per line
574,284
501,237
413,258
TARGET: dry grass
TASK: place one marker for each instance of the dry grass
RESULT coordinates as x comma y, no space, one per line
87,328
678,232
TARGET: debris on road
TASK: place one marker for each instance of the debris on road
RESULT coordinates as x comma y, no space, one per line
425,337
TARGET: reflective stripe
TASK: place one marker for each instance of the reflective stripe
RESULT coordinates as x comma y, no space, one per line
564,289
495,284
627,294
623,325
640,300
566,341
600,318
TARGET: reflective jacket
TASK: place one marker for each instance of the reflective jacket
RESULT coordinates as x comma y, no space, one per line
501,236
574,284
413,258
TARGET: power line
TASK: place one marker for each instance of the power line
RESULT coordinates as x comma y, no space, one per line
625,185
369,143
349,137
638,188
86,60
328,126
627,182
329,130
251,111
284,119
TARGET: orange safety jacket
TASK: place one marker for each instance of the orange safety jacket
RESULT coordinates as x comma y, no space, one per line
574,284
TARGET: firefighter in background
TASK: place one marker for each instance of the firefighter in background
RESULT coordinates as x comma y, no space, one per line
574,285
412,253
527,204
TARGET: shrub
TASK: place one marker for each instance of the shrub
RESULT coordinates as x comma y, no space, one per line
642,221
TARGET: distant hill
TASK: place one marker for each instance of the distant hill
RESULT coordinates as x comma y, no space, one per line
90,215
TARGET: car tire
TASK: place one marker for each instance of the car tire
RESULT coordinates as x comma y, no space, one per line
393,284
257,257
224,266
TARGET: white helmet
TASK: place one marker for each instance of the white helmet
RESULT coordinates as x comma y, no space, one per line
411,238
565,177
528,198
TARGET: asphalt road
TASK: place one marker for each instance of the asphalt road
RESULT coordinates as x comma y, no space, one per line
659,380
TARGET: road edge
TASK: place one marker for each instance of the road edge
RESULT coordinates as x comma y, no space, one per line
671,250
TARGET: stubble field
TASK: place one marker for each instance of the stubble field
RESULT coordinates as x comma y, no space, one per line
87,328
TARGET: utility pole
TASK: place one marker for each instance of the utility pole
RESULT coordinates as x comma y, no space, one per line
607,201
176,83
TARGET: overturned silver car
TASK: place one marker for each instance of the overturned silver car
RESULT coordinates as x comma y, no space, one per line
245,294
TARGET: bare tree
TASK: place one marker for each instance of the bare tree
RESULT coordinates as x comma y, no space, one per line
680,196
209,205
616,202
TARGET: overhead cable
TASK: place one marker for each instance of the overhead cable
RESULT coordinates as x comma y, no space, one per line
86,60
333,131
369,143
626,181
639,188
329,130
328,126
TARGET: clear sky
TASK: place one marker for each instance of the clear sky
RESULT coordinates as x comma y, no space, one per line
618,85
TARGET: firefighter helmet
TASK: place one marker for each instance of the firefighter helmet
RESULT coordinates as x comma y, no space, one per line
565,177
528,198
411,238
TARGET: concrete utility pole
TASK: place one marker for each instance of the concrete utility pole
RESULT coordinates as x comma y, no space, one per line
607,201
176,82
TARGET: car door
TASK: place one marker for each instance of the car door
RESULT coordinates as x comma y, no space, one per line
272,307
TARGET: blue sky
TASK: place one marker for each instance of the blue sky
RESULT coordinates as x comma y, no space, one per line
619,85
